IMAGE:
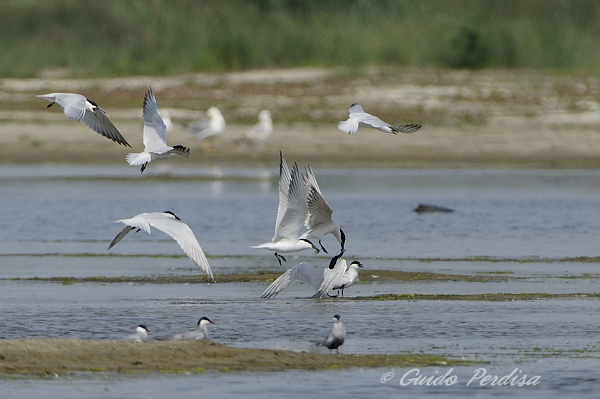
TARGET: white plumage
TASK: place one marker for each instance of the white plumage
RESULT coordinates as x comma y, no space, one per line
260,133
318,220
358,117
170,224
141,334
336,337
291,214
155,137
79,108
199,333
205,128
336,276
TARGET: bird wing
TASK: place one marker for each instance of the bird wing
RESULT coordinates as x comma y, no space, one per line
295,212
155,131
285,179
330,277
120,236
184,236
370,120
350,125
72,104
309,178
318,211
99,122
301,272
408,128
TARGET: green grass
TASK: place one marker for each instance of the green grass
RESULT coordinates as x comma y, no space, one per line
130,37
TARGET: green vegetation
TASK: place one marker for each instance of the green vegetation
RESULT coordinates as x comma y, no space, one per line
261,276
43,357
130,37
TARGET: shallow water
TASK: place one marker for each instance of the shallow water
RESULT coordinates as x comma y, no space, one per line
58,221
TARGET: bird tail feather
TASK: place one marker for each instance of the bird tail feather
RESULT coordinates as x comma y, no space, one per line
137,159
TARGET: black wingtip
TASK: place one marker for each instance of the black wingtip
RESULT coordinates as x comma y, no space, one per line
181,150
335,259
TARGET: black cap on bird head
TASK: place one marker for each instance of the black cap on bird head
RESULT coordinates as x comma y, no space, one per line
171,213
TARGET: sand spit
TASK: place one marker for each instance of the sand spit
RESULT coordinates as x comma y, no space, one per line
59,356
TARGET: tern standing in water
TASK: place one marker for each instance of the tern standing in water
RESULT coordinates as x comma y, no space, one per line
291,214
200,333
155,137
336,337
358,117
79,108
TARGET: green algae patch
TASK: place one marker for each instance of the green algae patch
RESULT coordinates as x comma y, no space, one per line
497,297
266,277
42,357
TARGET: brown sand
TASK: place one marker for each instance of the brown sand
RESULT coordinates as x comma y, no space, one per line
485,118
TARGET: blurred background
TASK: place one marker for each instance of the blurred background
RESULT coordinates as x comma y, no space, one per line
480,75
158,37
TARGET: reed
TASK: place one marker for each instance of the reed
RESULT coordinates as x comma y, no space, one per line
89,38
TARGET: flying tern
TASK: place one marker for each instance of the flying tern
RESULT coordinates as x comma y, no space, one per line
291,214
200,333
155,137
336,337
141,334
358,117
169,223
337,276
80,109
318,221
260,133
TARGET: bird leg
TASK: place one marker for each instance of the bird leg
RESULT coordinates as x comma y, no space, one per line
279,257
144,167
322,247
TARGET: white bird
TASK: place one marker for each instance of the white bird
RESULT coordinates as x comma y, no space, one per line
200,333
260,133
336,337
80,109
155,137
318,220
358,117
349,278
337,276
141,334
291,214
208,128
169,223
